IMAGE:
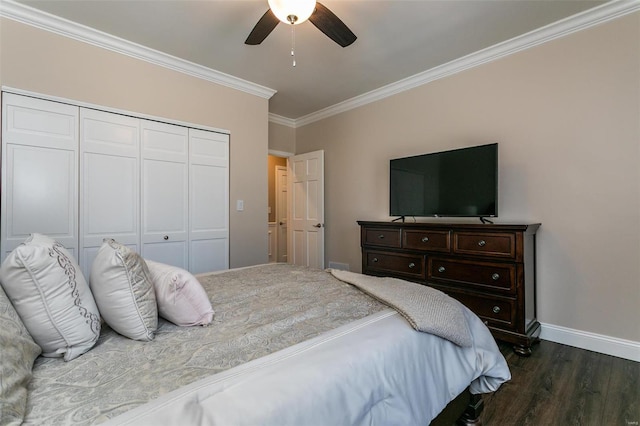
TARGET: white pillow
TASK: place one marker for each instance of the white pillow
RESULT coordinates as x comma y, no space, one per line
49,292
123,291
181,298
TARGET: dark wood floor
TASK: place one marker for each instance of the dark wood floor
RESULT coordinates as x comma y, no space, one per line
562,385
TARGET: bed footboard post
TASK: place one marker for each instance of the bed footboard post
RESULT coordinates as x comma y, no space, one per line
471,415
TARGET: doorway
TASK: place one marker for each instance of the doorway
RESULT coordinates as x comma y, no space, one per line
277,206
296,209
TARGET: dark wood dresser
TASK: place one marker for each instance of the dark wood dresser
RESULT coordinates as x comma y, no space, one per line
489,268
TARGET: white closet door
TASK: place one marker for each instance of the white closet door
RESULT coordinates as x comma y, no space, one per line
208,201
165,193
39,172
109,187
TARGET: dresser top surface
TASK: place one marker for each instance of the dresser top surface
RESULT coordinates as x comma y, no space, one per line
528,227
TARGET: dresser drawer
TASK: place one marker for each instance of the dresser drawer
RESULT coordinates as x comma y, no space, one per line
426,240
381,237
394,263
497,312
487,276
495,244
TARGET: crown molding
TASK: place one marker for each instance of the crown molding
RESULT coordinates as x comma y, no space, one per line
27,15
278,119
598,15
284,154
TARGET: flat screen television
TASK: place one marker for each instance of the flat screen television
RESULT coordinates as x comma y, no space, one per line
461,182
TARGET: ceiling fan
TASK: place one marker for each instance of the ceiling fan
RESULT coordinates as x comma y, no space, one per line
295,12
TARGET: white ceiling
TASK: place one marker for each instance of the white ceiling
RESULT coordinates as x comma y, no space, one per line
396,39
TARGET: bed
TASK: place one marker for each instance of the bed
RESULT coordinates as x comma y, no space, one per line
287,346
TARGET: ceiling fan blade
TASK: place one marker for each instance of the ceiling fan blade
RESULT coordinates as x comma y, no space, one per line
327,22
263,28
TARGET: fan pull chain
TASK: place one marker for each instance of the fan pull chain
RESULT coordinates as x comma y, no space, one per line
293,43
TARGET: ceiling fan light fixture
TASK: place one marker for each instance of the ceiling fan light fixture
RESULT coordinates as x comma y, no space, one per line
292,11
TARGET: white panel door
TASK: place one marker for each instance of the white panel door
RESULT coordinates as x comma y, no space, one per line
165,193
39,172
306,218
208,201
110,184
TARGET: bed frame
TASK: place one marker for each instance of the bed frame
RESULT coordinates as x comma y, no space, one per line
468,404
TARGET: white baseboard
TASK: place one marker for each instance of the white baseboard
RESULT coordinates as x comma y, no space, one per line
608,345
338,265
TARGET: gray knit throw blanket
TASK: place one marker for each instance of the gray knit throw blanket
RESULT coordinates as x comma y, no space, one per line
426,308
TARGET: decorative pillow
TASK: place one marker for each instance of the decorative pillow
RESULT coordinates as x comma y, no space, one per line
49,292
18,353
123,291
181,298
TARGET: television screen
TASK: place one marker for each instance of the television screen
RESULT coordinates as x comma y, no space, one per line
460,182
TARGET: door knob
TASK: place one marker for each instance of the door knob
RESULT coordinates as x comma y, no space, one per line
317,225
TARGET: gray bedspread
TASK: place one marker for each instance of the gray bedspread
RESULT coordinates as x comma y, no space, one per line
256,314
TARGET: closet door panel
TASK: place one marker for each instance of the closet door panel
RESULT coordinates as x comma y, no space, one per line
170,253
209,148
209,255
109,204
42,195
36,122
165,212
165,195
109,197
39,183
208,201
111,134
165,192
162,141
110,184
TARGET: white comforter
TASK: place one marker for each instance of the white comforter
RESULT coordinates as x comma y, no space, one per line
374,371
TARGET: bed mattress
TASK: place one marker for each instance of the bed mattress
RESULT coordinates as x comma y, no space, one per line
288,345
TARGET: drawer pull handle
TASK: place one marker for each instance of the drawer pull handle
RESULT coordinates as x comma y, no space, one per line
496,309
495,276
441,269
375,260
412,265
425,239
381,237
482,243
166,237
